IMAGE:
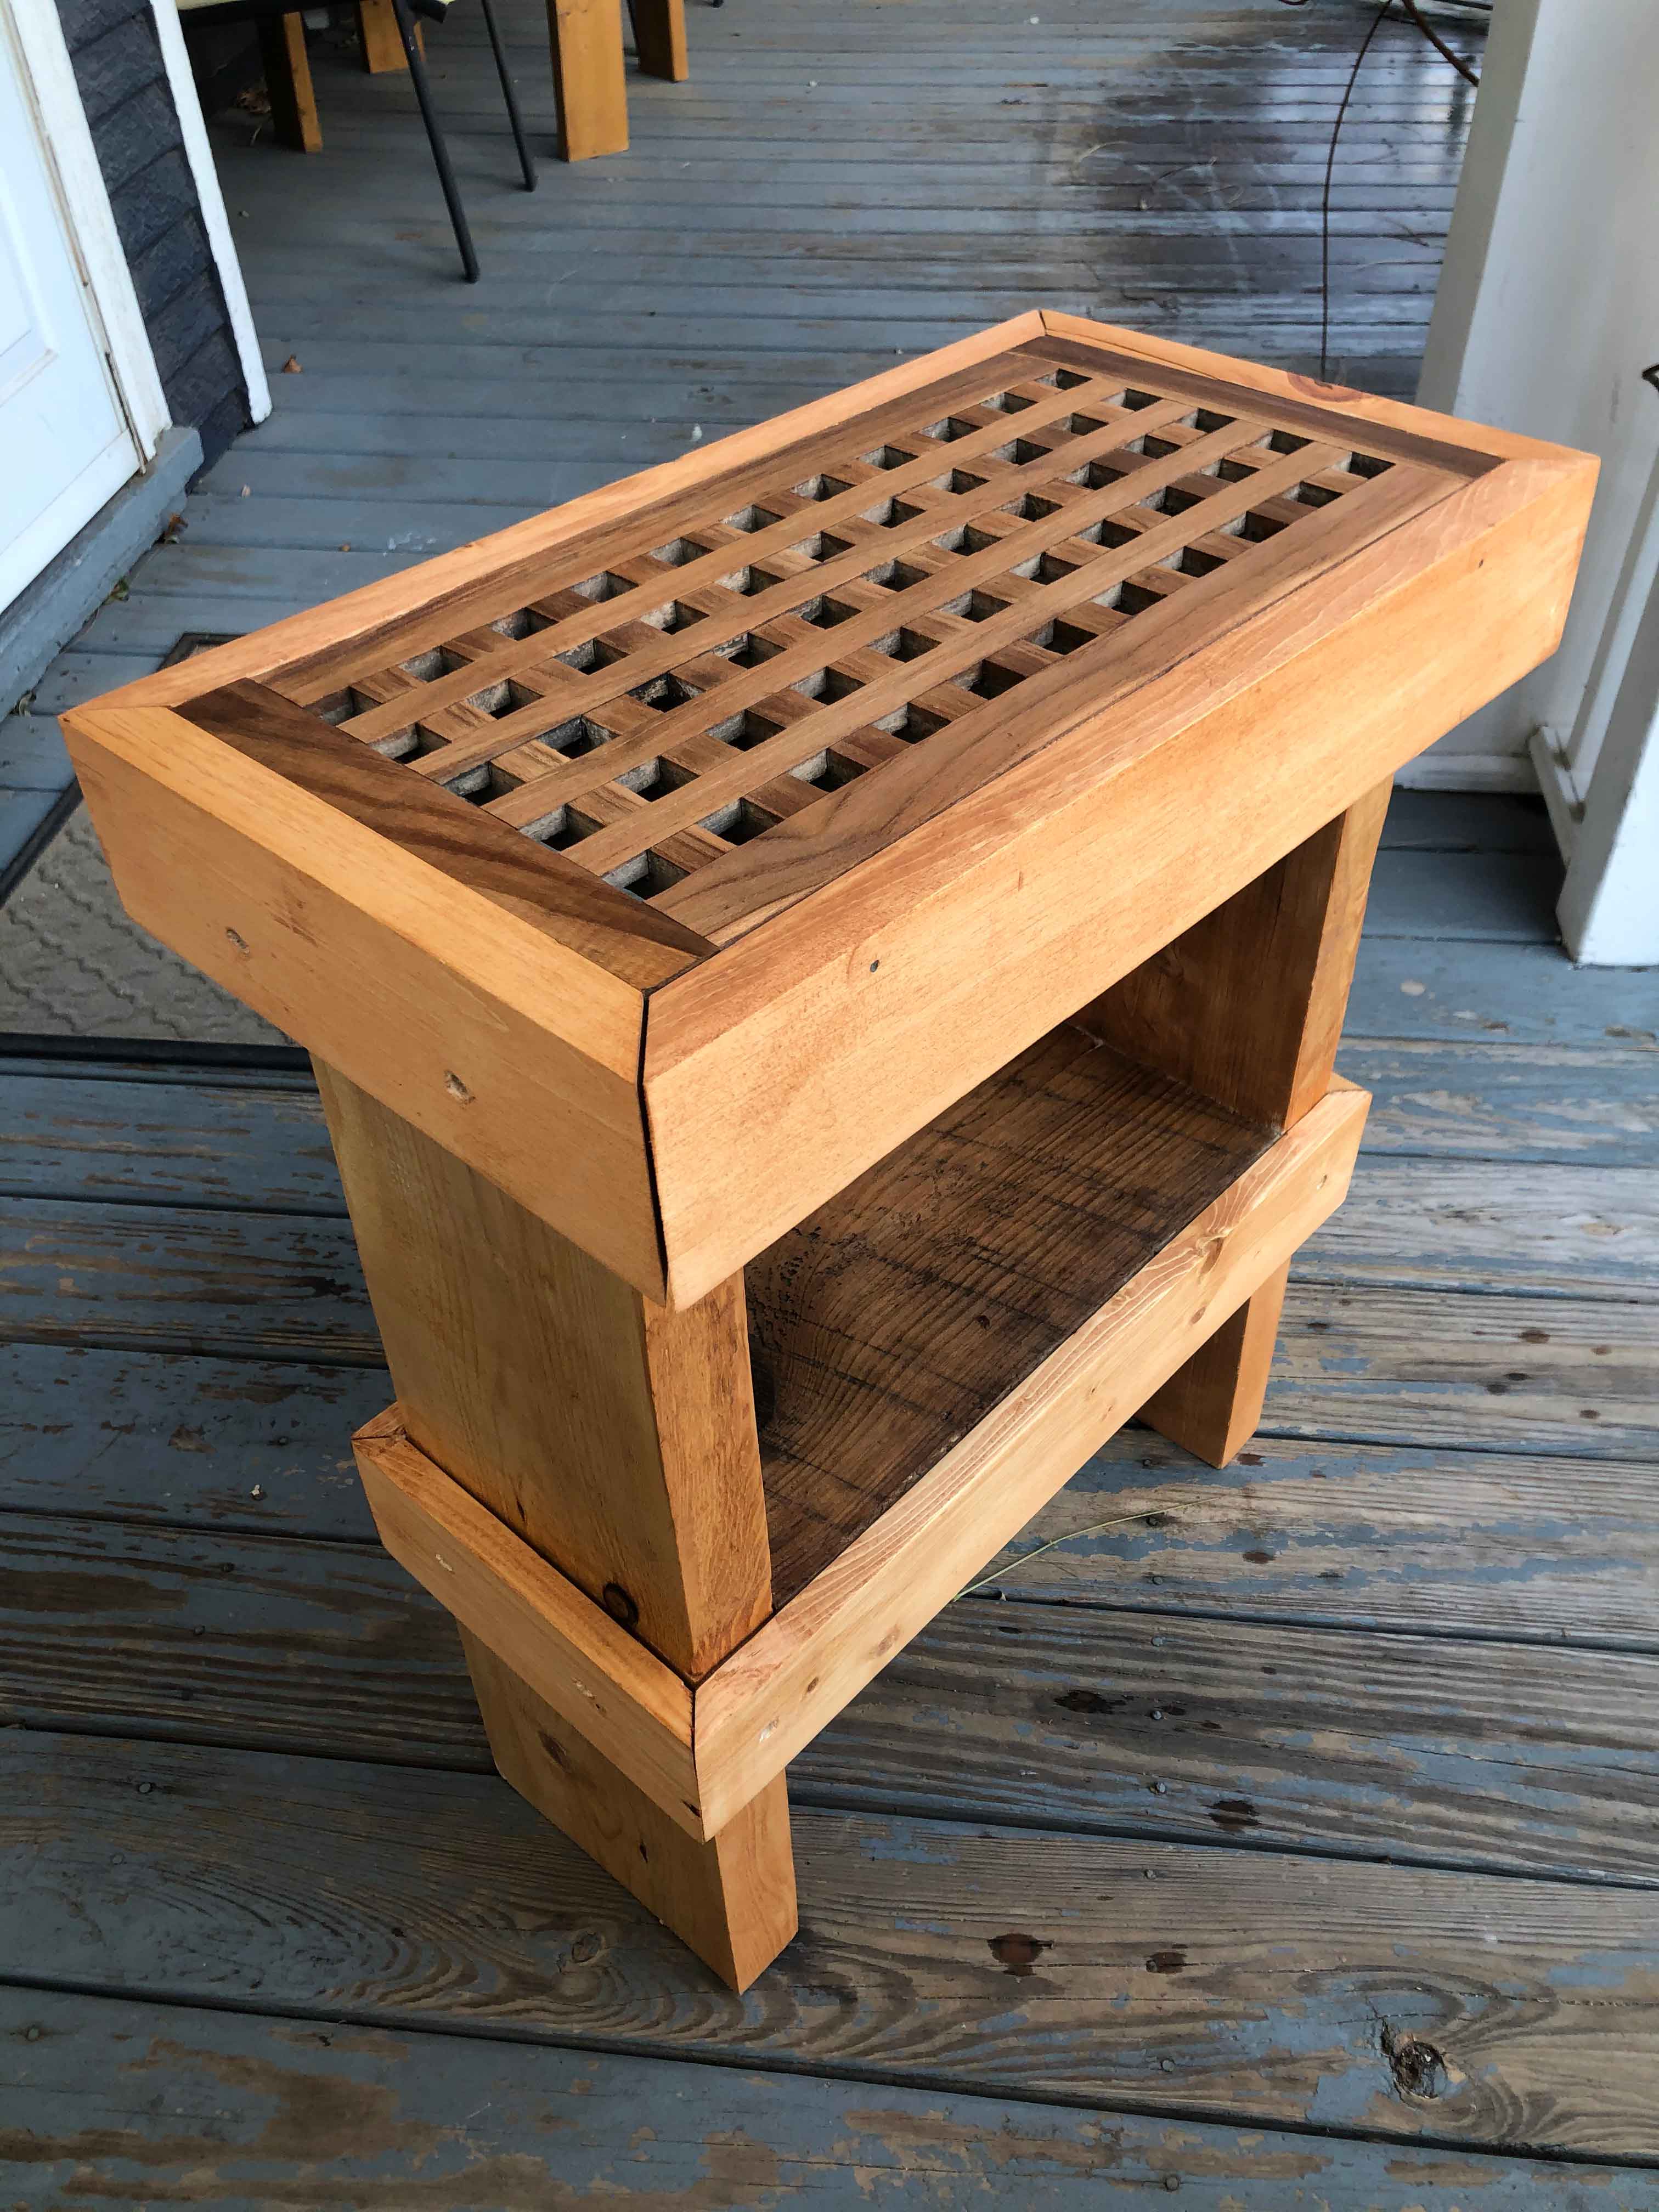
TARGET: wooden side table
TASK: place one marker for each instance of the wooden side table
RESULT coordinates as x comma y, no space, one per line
823,963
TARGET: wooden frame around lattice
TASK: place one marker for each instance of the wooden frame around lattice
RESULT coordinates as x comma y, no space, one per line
709,730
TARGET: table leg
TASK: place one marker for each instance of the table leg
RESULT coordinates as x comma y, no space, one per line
659,33
377,30
288,80
588,82
732,1901
1247,1007
618,1439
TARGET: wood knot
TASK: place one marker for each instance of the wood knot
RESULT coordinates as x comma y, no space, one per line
619,1604
1017,1953
1417,2068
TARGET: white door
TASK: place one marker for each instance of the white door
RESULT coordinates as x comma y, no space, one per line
65,447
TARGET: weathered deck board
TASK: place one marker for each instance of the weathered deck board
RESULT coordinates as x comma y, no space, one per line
1411,1535
179,2104
1034,1714
274,1286
1404,2003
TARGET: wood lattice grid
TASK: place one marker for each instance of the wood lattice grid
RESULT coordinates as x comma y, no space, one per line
650,716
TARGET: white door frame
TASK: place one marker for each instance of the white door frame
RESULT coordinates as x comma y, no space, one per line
1546,318
72,162
216,222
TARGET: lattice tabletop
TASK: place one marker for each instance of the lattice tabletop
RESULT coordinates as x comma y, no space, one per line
888,582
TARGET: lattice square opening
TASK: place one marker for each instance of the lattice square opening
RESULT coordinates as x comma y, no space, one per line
895,576
973,607
578,736
744,731
664,693
823,613
605,585
746,582
823,546
902,645
646,874
989,680
592,653
912,723
825,684
748,651
821,487
678,552
887,457
672,618
655,779
753,518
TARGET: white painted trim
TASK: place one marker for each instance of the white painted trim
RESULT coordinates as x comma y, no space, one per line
216,222
1609,904
1561,788
1443,771
72,161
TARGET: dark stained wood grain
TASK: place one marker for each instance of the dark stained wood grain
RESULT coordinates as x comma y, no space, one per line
203,2104
1396,2002
581,910
891,1321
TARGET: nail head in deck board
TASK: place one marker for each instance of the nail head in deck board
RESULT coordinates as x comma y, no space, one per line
1435,1751
114,2088
1549,2037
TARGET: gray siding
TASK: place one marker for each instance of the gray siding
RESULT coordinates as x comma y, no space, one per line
134,127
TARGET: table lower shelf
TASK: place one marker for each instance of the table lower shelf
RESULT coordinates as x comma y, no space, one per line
889,1323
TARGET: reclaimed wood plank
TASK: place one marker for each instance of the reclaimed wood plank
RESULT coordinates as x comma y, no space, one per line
102,2095
1435,1751
1380,1999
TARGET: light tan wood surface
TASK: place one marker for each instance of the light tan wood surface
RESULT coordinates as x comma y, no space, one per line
732,1899
1211,1404
855,1015
615,1437
377,32
628,1705
1247,1006
588,83
659,28
288,80
495,1040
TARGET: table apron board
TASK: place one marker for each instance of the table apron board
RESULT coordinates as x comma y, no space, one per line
703,1752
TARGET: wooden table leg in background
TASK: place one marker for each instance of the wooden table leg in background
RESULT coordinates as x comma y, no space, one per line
587,77
377,30
660,32
618,1438
288,80
1248,1007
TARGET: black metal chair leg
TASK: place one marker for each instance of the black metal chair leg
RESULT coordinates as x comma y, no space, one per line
525,162
435,139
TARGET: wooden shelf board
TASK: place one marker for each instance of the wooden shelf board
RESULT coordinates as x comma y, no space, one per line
891,1321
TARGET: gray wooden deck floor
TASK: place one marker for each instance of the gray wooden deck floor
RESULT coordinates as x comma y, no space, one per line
1319,1797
